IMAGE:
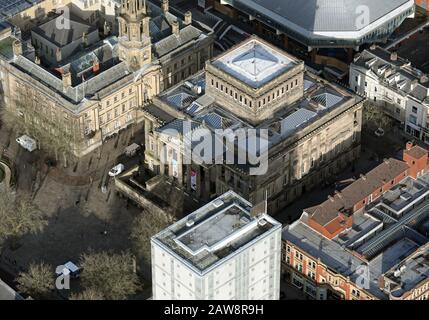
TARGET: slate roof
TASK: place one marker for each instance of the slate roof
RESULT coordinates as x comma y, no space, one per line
357,191
320,15
63,36
172,42
7,293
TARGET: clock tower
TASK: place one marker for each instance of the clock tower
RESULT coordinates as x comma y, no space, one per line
135,45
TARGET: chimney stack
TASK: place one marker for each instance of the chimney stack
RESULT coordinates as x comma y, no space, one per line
424,79
394,56
95,66
106,29
165,6
67,80
409,145
188,18
85,39
17,48
58,55
175,28
37,60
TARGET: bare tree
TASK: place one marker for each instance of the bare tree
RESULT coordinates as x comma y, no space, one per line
144,227
112,276
38,281
88,294
19,217
374,115
32,115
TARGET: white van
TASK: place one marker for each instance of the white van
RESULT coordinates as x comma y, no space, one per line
27,143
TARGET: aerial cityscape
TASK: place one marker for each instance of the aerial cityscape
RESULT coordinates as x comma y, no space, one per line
224,150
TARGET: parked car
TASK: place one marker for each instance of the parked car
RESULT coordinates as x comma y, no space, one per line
27,143
132,149
116,170
379,132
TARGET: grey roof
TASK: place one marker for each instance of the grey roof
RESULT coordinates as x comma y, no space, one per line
7,293
172,42
216,121
321,15
180,100
158,113
399,75
79,92
292,123
255,63
327,99
9,8
63,36
178,126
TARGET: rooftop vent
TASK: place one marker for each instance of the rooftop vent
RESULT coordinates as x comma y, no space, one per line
217,203
262,222
190,223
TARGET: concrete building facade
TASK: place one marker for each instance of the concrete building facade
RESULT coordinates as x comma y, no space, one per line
226,250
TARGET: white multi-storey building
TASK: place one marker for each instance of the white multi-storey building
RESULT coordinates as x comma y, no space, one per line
224,250
390,82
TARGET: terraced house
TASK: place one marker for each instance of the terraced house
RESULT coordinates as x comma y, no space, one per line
85,84
368,241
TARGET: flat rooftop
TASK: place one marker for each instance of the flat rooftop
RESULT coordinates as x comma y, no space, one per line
336,256
383,236
410,272
215,232
323,15
255,63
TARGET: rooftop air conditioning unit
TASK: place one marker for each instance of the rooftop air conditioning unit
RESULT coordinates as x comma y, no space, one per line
190,223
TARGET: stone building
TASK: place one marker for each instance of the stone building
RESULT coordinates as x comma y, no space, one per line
392,84
97,88
313,127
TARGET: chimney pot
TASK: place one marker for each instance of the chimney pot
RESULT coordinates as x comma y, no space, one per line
165,6
409,145
85,38
175,28
67,80
58,55
17,48
188,18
